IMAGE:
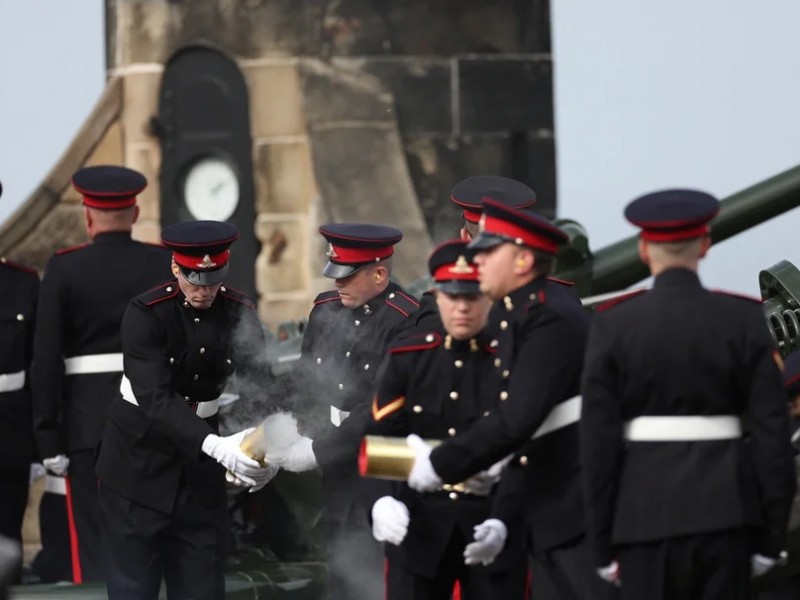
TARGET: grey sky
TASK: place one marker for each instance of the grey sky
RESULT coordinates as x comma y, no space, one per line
648,95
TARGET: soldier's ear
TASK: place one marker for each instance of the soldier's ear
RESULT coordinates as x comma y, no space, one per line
175,271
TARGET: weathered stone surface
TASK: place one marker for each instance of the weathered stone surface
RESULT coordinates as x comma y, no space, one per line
60,228
281,265
275,309
147,230
499,94
275,102
420,87
145,157
334,96
284,177
140,103
438,163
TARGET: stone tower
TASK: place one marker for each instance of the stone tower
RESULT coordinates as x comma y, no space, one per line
279,115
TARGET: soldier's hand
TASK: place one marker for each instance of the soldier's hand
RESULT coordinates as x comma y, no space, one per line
226,451
270,471
481,483
389,520
423,477
58,465
490,537
760,564
297,458
610,573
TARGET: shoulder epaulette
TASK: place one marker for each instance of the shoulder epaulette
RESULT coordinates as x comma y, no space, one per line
535,300
237,296
560,281
160,293
326,297
18,266
619,300
737,295
416,343
402,302
71,248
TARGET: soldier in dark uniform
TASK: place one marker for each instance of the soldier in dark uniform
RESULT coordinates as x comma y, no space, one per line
161,463
346,338
77,360
683,503
19,288
437,383
540,341
469,195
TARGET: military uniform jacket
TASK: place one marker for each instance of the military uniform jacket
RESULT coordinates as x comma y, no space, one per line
85,291
683,350
175,357
540,342
19,287
436,386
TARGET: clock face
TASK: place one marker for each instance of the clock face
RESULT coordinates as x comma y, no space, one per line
211,190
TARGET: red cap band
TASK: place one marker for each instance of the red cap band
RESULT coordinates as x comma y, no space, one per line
675,235
455,271
202,263
471,216
529,238
105,204
340,254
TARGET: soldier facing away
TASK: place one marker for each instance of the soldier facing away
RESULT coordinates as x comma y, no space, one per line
682,505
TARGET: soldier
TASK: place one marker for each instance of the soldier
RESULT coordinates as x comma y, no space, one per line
469,195
77,361
346,338
19,288
681,506
540,343
161,490
435,384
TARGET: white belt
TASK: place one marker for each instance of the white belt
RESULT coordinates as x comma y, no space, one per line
563,414
11,382
55,485
683,429
338,416
202,410
93,363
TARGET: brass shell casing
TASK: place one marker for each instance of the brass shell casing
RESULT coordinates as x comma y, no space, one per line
385,457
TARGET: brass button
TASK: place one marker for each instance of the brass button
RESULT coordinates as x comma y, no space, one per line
451,432
497,362
197,319
223,289
196,376
459,364
319,360
171,360
493,343
169,288
202,350
503,325
486,413
417,408
20,317
506,373
347,354
391,295
454,395
186,398
504,395
523,461
429,338
453,496
228,360
366,367
358,322
341,386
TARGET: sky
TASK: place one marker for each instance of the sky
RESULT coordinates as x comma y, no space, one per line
648,95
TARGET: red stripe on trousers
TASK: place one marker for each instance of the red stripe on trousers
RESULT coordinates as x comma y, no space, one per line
77,576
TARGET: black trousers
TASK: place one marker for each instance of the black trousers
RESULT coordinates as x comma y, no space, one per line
142,545
15,483
568,573
475,583
54,561
86,513
709,566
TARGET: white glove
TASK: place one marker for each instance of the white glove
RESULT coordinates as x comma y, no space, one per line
297,458
490,537
423,477
610,573
58,465
481,483
389,520
760,564
226,451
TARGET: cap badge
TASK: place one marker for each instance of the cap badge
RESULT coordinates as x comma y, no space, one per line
461,266
332,251
206,263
